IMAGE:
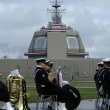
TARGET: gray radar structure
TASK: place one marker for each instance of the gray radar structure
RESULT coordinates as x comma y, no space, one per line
56,40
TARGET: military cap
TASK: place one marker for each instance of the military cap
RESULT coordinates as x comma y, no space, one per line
100,64
106,60
50,64
47,61
38,60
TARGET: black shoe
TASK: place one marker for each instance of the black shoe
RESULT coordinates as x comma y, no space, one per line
49,108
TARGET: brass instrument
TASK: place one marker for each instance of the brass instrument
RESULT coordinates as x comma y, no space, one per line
53,78
17,90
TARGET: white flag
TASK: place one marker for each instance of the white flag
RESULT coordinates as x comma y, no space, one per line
15,72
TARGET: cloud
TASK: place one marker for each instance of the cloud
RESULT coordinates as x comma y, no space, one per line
18,22
91,19
20,16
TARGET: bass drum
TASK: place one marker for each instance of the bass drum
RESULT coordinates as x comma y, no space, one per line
73,104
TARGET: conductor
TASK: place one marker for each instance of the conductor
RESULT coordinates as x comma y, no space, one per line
46,87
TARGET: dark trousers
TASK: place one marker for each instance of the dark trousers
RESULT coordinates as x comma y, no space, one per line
63,94
98,85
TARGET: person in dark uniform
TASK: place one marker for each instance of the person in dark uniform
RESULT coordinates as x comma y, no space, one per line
46,87
97,75
106,76
4,97
4,94
100,73
100,65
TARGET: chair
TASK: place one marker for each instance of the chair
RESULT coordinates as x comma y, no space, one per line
43,101
47,101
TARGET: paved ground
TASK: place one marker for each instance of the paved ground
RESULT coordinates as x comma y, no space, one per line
84,105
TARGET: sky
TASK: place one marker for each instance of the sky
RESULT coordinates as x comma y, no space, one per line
19,19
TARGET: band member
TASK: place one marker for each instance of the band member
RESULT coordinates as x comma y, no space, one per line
46,87
4,97
103,77
106,76
97,75
17,90
100,66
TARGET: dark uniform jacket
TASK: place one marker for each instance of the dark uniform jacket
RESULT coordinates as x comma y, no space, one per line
4,94
100,74
42,81
106,80
96,75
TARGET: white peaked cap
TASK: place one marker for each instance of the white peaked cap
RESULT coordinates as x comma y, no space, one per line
100,63
15,72
106,60
38,60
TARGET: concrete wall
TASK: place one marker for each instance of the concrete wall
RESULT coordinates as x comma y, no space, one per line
81,67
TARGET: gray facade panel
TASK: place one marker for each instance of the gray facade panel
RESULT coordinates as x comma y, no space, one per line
56,45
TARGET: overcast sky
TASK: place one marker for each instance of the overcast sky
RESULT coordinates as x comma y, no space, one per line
19,19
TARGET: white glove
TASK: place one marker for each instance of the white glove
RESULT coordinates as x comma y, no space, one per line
8,106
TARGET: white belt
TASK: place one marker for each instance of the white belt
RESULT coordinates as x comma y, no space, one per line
73,93
42,85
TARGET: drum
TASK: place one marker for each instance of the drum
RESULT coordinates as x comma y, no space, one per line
73,104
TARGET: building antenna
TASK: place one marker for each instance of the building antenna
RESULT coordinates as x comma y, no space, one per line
56,12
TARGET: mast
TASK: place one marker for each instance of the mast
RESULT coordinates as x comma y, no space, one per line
56,12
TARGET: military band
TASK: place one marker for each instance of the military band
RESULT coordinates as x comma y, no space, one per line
97,75
49,82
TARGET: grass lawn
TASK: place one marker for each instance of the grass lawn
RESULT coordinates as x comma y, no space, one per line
81,84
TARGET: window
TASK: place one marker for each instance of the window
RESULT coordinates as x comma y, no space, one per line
72,43
40,43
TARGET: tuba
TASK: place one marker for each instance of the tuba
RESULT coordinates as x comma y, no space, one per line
17,91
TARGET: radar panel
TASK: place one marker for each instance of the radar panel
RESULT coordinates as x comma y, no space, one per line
72,43
40,43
